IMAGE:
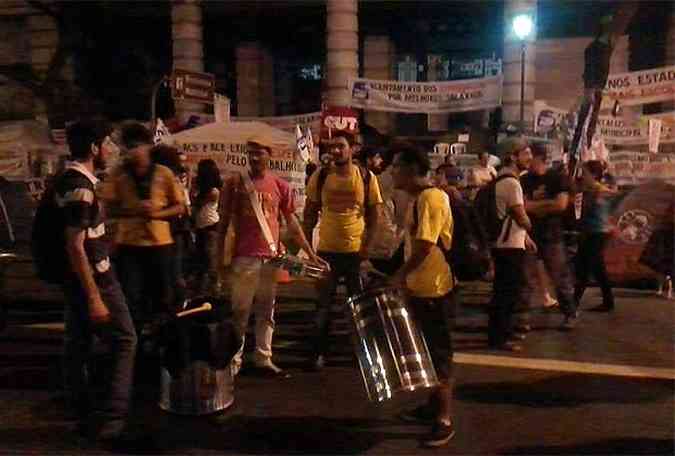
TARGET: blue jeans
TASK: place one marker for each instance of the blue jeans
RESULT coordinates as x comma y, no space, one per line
121,337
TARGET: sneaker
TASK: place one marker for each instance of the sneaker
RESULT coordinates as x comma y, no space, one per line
111,430
421,414
269,369
553,307
317,363
508,346
523,328
570,322
441,433
517,337
601,308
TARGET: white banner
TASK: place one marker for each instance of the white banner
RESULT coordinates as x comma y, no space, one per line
547,118
641,87
621,131
632,168
232,157
426,97
288,123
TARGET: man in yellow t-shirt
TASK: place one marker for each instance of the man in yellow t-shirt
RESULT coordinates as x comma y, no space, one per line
428,279
144,197
345,234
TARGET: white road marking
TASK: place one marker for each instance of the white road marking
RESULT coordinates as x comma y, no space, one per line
565,366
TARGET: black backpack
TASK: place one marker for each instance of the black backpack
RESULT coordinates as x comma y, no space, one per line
470,253
48,239
485,205
469,256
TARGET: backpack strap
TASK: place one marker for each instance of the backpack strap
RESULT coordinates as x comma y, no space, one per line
507,219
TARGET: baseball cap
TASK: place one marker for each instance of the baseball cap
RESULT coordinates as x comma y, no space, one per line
509,146
261,141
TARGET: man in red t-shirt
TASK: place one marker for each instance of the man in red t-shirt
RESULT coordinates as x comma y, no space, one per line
253,277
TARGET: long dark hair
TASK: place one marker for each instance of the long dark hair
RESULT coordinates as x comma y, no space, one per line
208,177
168,156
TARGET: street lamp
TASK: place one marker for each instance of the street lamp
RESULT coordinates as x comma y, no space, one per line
522,27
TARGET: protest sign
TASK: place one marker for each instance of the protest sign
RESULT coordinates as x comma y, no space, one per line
302,144
426,97
467,68
337,118
547,118
221,108
162,134
626,131
288,123
654,133
641,87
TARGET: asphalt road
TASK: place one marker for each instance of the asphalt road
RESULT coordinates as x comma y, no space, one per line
606,388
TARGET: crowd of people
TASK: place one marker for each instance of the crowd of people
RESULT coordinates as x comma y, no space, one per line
385,206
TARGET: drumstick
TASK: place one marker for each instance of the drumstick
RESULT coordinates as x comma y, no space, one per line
204,307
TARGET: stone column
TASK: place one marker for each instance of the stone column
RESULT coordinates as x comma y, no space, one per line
188,53
670,51
267,101
512,64
249,82
342,47
378,63
669,60
43,41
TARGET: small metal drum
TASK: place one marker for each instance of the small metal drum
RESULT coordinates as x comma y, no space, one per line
297,267
391,350
195,373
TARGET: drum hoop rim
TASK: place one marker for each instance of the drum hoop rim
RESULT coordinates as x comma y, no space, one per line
372,291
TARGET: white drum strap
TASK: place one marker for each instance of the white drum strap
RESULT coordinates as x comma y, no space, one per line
257,208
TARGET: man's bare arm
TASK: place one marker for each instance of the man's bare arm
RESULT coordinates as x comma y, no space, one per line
421,249
310,217
518,214
372,220
80,265
556,205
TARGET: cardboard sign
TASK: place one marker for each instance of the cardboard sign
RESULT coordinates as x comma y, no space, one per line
338,119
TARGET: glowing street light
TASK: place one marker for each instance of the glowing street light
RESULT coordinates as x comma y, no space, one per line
523,26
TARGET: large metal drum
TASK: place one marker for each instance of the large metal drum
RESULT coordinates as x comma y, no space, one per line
391,350
195,373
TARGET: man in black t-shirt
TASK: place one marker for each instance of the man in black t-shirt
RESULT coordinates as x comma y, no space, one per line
547,198
95,304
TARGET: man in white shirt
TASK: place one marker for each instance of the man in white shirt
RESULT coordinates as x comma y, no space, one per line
481,174
509,248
